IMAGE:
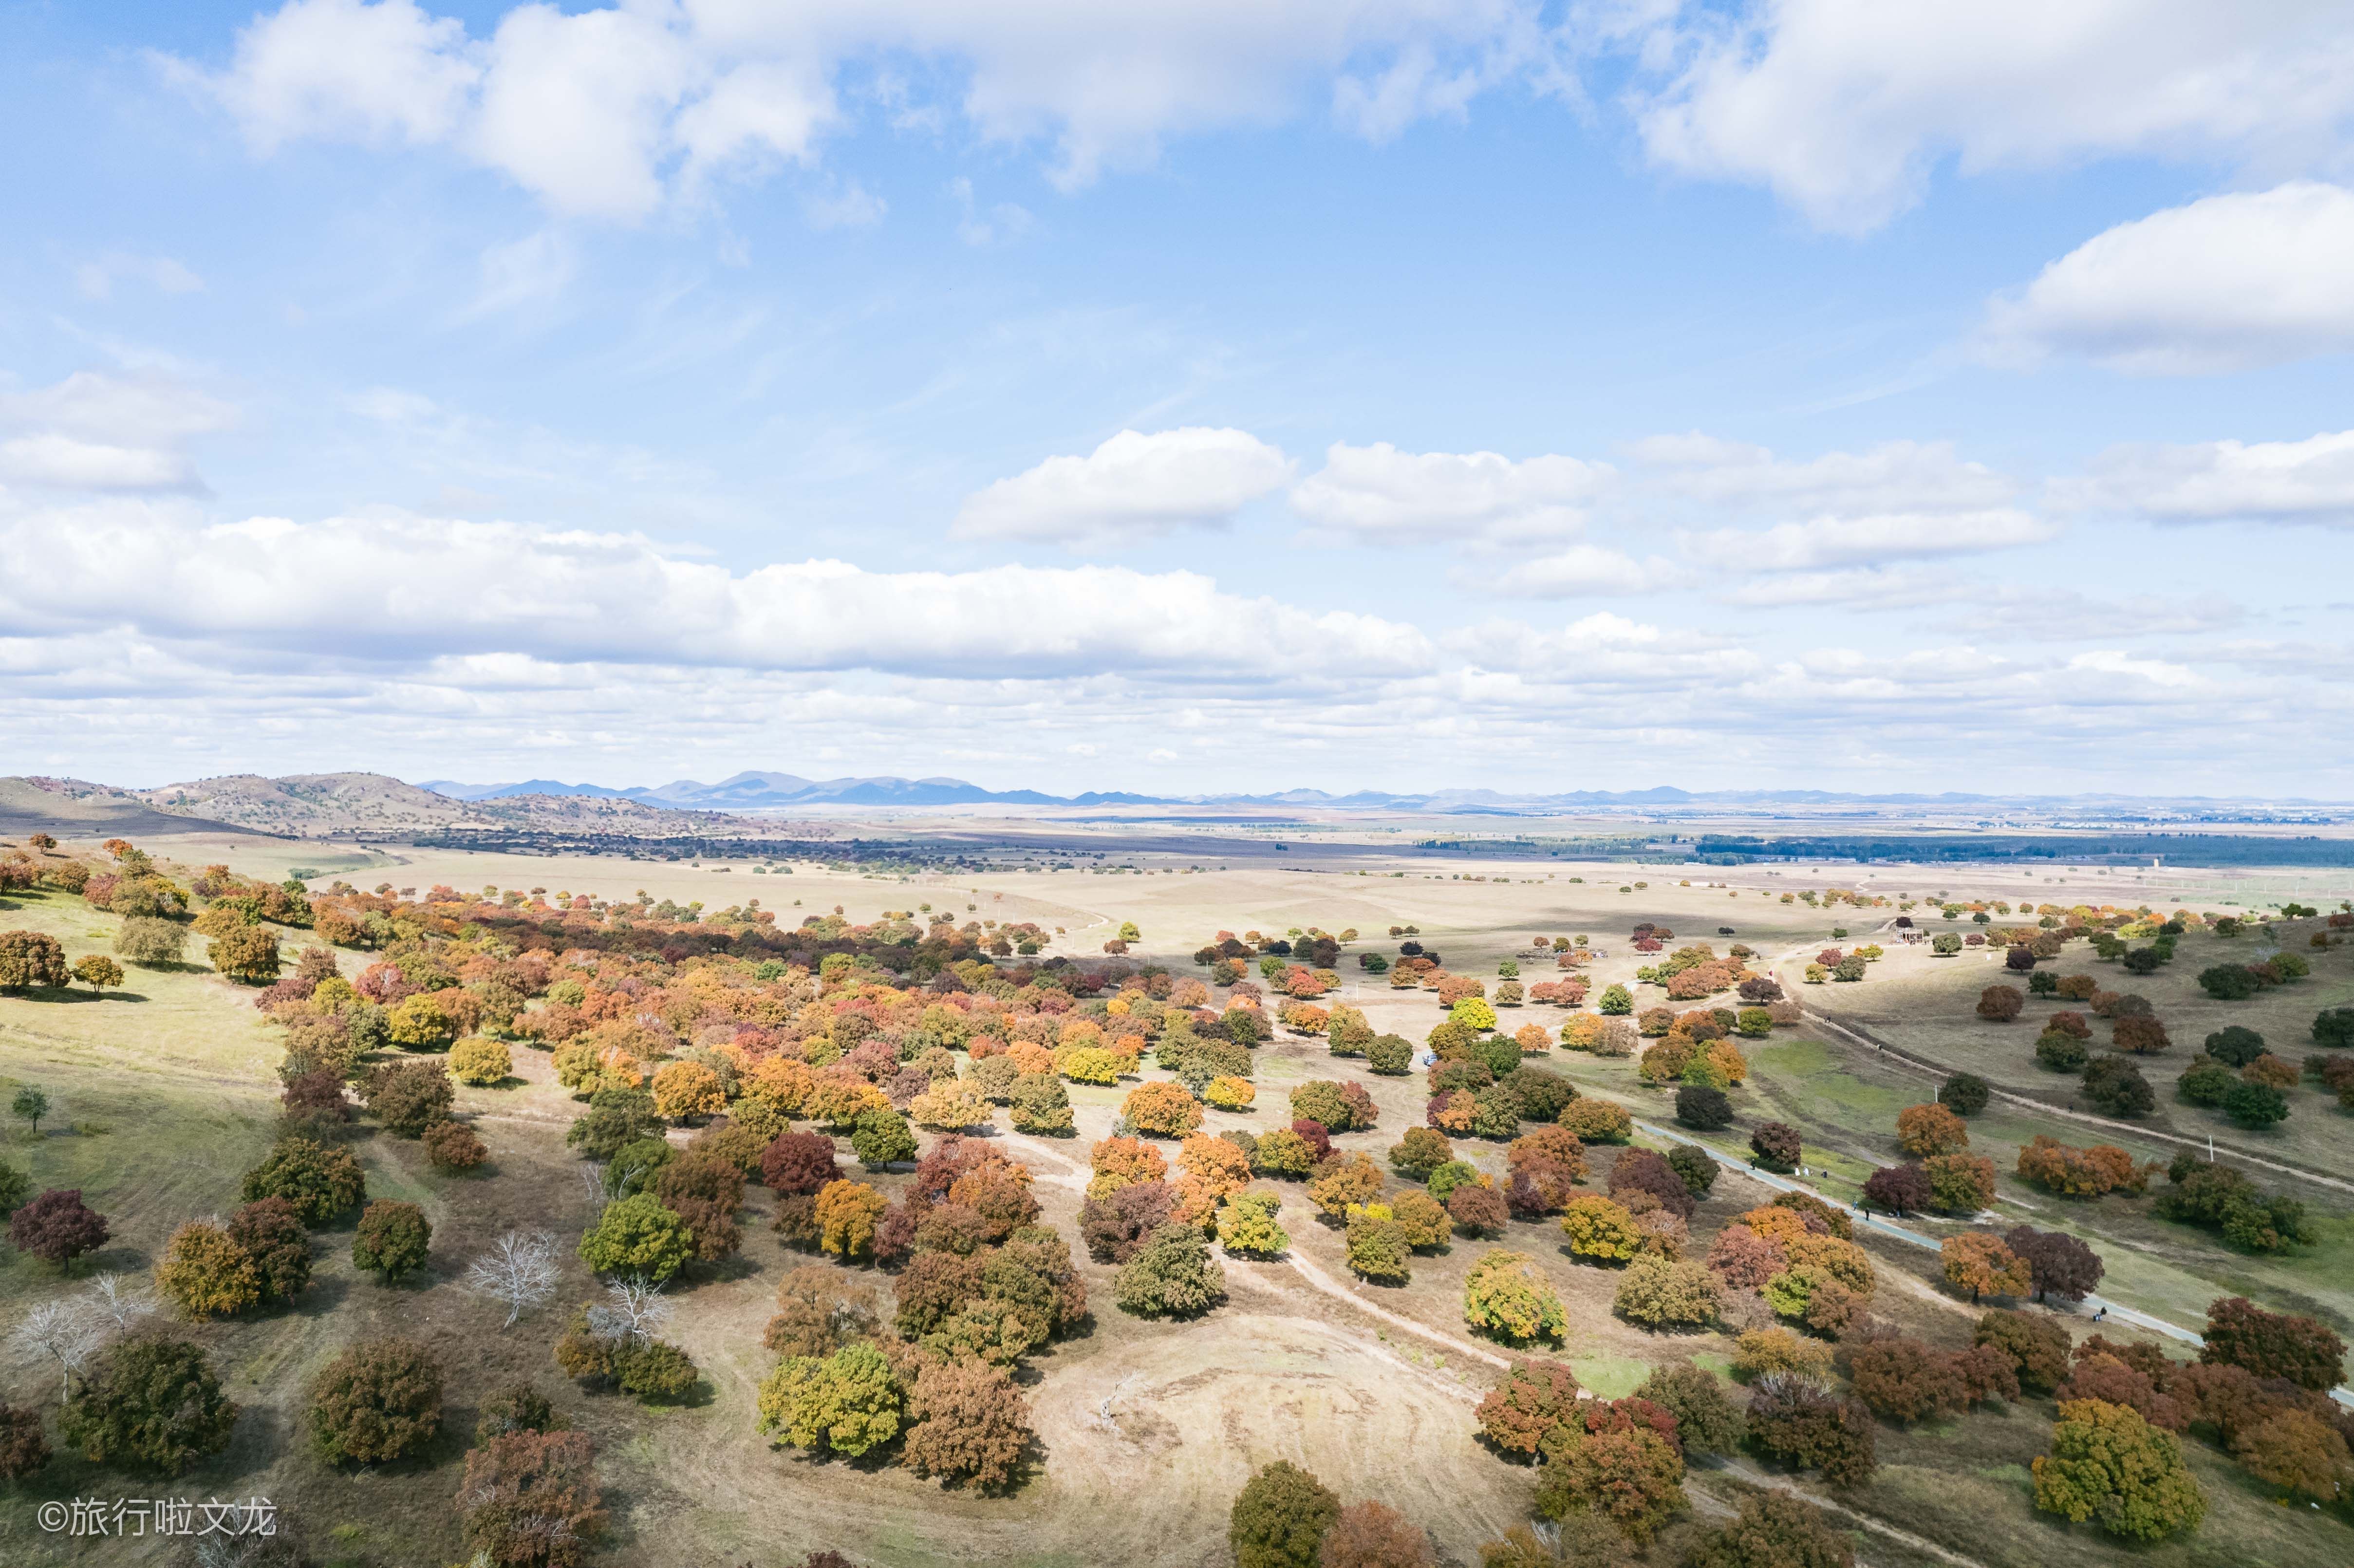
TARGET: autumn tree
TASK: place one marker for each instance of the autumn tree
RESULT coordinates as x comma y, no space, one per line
408,1098
1279,1519
2000,1004
967,1422
378,1400
206,1274
1978,1262
1504,1296
31,960
1659,1294
2036,1346
1904,1380
2059,1264
530,1500
2303,1350
2109,1467
57,1227
392,1239
1897,1189
246,952
1534,1398
321,1183
1248,1225
24,1446
1113,1228
1774,1529
1796,1419
1374,1535
850,1403
1172,1274
797,1162
1927,1130
1706,1421
1776,1146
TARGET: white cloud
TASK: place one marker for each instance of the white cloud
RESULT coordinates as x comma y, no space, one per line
1906,476
1379,494
1581,571
93,432
596,111
347,69
397,587
2310,480
2252,277
1842,541
1865,588
1843,107
96,279
1131,485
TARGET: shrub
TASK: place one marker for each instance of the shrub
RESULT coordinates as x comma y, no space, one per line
2078,1172
1706,1421
514,1407
392,1239
377,1401
1505,1297
1422,1149
2255,1105
24,1446
148,1403
1172,1274
1776,1146
1660,1293
2109,1467
881,1135
653,1370
1620,1469
2115,1086
1375,1535
1763,1353
1280,1519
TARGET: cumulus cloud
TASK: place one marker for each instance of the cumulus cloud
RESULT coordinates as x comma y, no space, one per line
1844,107
2310,480
407,588
1378,495
2252,278
95,431
1131,485
1908,476
598,111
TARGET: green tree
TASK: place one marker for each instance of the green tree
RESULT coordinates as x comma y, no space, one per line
636,1235
880,1137
1172,1274
1506,1296
1775,1530
1706,1419
1280,1517
1663,1294
1248,1225
2109,1467
30,1104
848,1403
321,1182
149,1403
378,1400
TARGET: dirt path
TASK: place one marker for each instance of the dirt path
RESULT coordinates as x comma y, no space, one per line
1764,1482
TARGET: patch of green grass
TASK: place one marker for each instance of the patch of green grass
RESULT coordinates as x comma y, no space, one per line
1610,1376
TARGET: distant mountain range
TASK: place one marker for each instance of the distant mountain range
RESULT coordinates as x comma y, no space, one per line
751,791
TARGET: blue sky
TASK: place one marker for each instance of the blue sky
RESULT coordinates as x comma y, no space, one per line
1365,394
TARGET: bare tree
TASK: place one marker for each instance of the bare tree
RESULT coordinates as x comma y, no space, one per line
120,1304
592,1177
66,1332
635,1310
519,1270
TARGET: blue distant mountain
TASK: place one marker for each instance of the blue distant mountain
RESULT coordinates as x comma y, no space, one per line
756,791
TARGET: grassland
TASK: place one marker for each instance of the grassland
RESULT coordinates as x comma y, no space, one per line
1146,1428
